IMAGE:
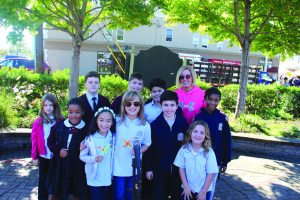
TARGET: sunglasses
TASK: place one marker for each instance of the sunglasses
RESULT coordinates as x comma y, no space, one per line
181,77
130,103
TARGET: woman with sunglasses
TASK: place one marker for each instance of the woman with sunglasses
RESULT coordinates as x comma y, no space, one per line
191,97
131,126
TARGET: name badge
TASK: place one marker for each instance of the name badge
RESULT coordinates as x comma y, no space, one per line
180,136
220,127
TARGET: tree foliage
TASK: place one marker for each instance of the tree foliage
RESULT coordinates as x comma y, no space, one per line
271,27
82,19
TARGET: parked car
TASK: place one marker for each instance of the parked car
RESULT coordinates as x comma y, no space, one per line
20,61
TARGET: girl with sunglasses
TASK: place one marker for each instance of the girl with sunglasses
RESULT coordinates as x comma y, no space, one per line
191,97
131,126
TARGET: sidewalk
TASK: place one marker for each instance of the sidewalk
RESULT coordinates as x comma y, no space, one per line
248,177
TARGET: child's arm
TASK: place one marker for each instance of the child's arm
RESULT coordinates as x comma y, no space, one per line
148,156
85,157
34,141
226,142
51,141
147,139
202,194
187,191
180,163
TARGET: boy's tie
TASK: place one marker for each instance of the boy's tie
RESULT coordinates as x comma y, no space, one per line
94,103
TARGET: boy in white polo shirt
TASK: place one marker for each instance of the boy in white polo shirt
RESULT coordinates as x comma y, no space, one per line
197,163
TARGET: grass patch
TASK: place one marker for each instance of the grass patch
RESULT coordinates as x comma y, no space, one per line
257,125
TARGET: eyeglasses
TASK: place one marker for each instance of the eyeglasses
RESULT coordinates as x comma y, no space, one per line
130,103
188,76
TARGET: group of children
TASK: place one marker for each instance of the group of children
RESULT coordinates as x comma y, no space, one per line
92,149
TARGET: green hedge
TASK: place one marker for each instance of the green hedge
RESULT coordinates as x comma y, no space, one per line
267,101
26,88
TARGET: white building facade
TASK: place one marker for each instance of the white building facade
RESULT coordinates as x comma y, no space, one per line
179,39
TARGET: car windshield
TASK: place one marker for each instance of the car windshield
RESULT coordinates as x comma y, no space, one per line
7,63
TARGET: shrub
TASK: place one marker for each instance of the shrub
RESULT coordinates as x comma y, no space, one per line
7,113
290,101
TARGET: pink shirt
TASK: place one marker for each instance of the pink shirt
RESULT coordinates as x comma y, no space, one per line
191,102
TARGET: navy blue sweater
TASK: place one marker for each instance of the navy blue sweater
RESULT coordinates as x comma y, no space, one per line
219,133
166,142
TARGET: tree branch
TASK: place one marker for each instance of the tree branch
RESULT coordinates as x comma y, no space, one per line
262,25
58,14
219,21
236,21
92,22
99,29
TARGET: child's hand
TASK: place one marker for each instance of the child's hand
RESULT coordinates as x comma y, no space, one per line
201,195
187,192
99,158
35,162
223,169
82,146
149,175
63,153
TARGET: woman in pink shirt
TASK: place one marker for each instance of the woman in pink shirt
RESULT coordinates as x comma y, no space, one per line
191,97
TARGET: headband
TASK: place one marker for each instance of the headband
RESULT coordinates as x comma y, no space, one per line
105,109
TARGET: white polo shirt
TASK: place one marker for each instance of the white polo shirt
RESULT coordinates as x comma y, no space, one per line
125,132
152,111
196,165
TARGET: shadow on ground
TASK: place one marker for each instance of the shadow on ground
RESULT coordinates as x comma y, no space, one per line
18,179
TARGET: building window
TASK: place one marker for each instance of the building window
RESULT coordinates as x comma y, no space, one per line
220,46
196,41
204,42
120,35
169,35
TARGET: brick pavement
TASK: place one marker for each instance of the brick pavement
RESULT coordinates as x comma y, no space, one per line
248,177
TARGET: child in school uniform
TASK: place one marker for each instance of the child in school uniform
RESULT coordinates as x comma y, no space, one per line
156,86
64,142
197,163
131,125
167,133
135,83
92,101
98,154
219,129
49,114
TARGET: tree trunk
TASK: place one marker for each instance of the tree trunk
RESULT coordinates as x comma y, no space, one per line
74,70
245,44
39,51
241,101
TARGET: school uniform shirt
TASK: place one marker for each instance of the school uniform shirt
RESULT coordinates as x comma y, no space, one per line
220,134
197,165
98,173
89,112
191,102
166,141
152,111
125,133
47,129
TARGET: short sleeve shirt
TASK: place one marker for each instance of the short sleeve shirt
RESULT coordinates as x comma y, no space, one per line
196,165
125,133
